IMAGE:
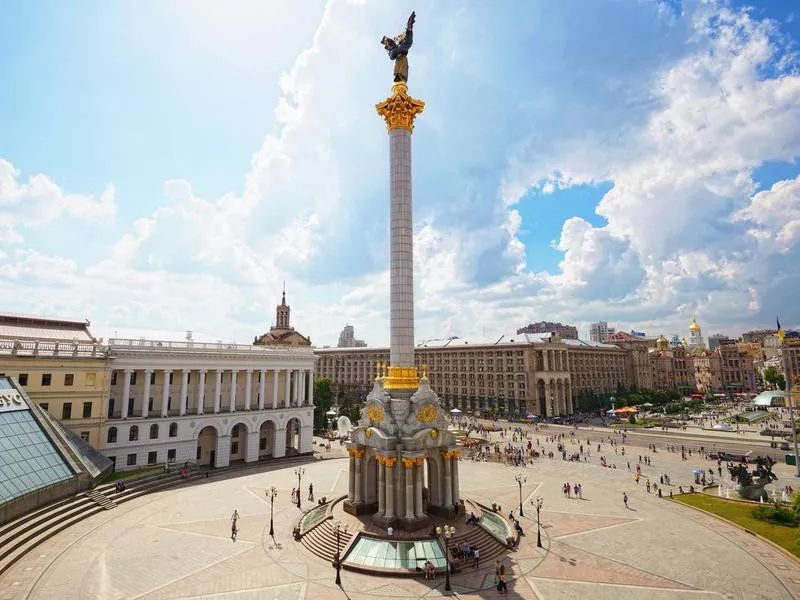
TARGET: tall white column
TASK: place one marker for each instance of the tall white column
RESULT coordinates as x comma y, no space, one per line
448,483
233,389
146,393
184,390
126,393
409,469
275,373
359,477
287,400
351,488
389,491
297,379
418,476
381,489
301,387
311,387
262,388
165,394
248,388
217,391
456,491
201,390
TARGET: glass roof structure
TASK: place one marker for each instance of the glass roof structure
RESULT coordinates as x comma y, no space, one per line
28,460
395,554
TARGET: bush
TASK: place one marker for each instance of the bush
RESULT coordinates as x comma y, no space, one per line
777,515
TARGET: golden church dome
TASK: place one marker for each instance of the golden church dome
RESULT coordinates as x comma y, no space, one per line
694,327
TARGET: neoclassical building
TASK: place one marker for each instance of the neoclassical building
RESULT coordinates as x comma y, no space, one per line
206,403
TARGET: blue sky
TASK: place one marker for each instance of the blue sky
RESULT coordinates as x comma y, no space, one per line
166,166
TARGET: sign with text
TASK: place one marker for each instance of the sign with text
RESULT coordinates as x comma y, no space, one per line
12,400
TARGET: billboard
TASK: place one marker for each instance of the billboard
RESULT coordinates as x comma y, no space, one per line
11,399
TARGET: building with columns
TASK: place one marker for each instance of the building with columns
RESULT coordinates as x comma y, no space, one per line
208,404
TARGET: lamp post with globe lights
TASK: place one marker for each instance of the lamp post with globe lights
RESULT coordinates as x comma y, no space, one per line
299,471
273,491
444,534
339,527
537,504
520,478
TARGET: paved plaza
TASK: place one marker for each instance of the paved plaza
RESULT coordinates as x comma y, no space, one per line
176,543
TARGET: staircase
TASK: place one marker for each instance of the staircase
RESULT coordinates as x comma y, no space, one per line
321,541
477,537
19,536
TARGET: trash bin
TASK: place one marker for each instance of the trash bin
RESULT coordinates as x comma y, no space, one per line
790,459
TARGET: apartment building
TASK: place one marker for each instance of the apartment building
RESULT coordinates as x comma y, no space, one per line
600,331
61,367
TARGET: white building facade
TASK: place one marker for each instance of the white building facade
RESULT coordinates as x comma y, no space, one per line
600,332
206,404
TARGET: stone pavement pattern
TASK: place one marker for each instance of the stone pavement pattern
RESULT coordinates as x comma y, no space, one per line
176,544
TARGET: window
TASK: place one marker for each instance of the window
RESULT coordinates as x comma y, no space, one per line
113,378
66,410
152,457
234,447
23,379
91,378
235,431
150,404
133,377
133,434
199,452
46,377
262,444
87,410
44,405
111,438
172,454
85,436
153,378
69,379
170,377
131,460
153,431
173,430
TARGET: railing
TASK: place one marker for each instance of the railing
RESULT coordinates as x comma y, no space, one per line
60,349
145,344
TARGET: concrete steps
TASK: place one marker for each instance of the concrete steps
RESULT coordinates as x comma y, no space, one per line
321,541
21,535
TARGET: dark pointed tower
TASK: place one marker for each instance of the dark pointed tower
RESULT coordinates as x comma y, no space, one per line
282,312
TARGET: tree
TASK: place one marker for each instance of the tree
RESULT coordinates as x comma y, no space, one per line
351,411
773,377
323,401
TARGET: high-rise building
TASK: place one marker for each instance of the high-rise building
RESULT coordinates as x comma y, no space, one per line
347,338
600,331
567,332
716,339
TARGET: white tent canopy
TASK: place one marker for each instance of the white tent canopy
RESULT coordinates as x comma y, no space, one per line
455,411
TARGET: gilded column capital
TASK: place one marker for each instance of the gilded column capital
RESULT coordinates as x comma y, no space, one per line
389,462
380,459
419,460
355,452
409,462
399,110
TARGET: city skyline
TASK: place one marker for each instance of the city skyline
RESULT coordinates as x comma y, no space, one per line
165,169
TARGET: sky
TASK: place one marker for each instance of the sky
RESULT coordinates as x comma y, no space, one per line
167,166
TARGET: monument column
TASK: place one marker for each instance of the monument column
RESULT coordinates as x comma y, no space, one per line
448,480
262,388
381,485
390,487
351,489
217,391
165,393
456,491
408,463
146,392
399,112
418,477
359,476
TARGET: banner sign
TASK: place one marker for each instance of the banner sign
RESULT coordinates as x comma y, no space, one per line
12,400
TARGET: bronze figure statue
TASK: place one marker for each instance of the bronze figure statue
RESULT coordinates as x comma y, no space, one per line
398,49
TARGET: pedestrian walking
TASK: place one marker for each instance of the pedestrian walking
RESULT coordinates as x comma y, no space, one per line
625,498
297,496
502,588
496,571
310,492
234,524
476,557
293,495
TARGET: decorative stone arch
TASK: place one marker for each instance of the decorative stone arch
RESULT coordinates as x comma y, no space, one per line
293,430
267,438
239,443
207,437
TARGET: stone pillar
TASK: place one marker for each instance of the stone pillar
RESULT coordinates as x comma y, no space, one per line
201,390
419,476
389,483
408,463
184,390
146,393
456,491
351,489
311,387
448,481
217,391
287,399
165,394
251,450
262,388
248,388
359,480
126,393
280,442
233,389
306,443
301,386
275,388
381,486
222,457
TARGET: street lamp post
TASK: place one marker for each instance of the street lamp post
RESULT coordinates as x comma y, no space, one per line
338,527
273,491
444,534
520,480
538,505
299,472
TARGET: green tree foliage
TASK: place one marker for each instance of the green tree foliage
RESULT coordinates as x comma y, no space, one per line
323,401
351,411
774,378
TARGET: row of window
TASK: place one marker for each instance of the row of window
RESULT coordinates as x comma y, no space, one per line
47,379
133,433
66,409
152,457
